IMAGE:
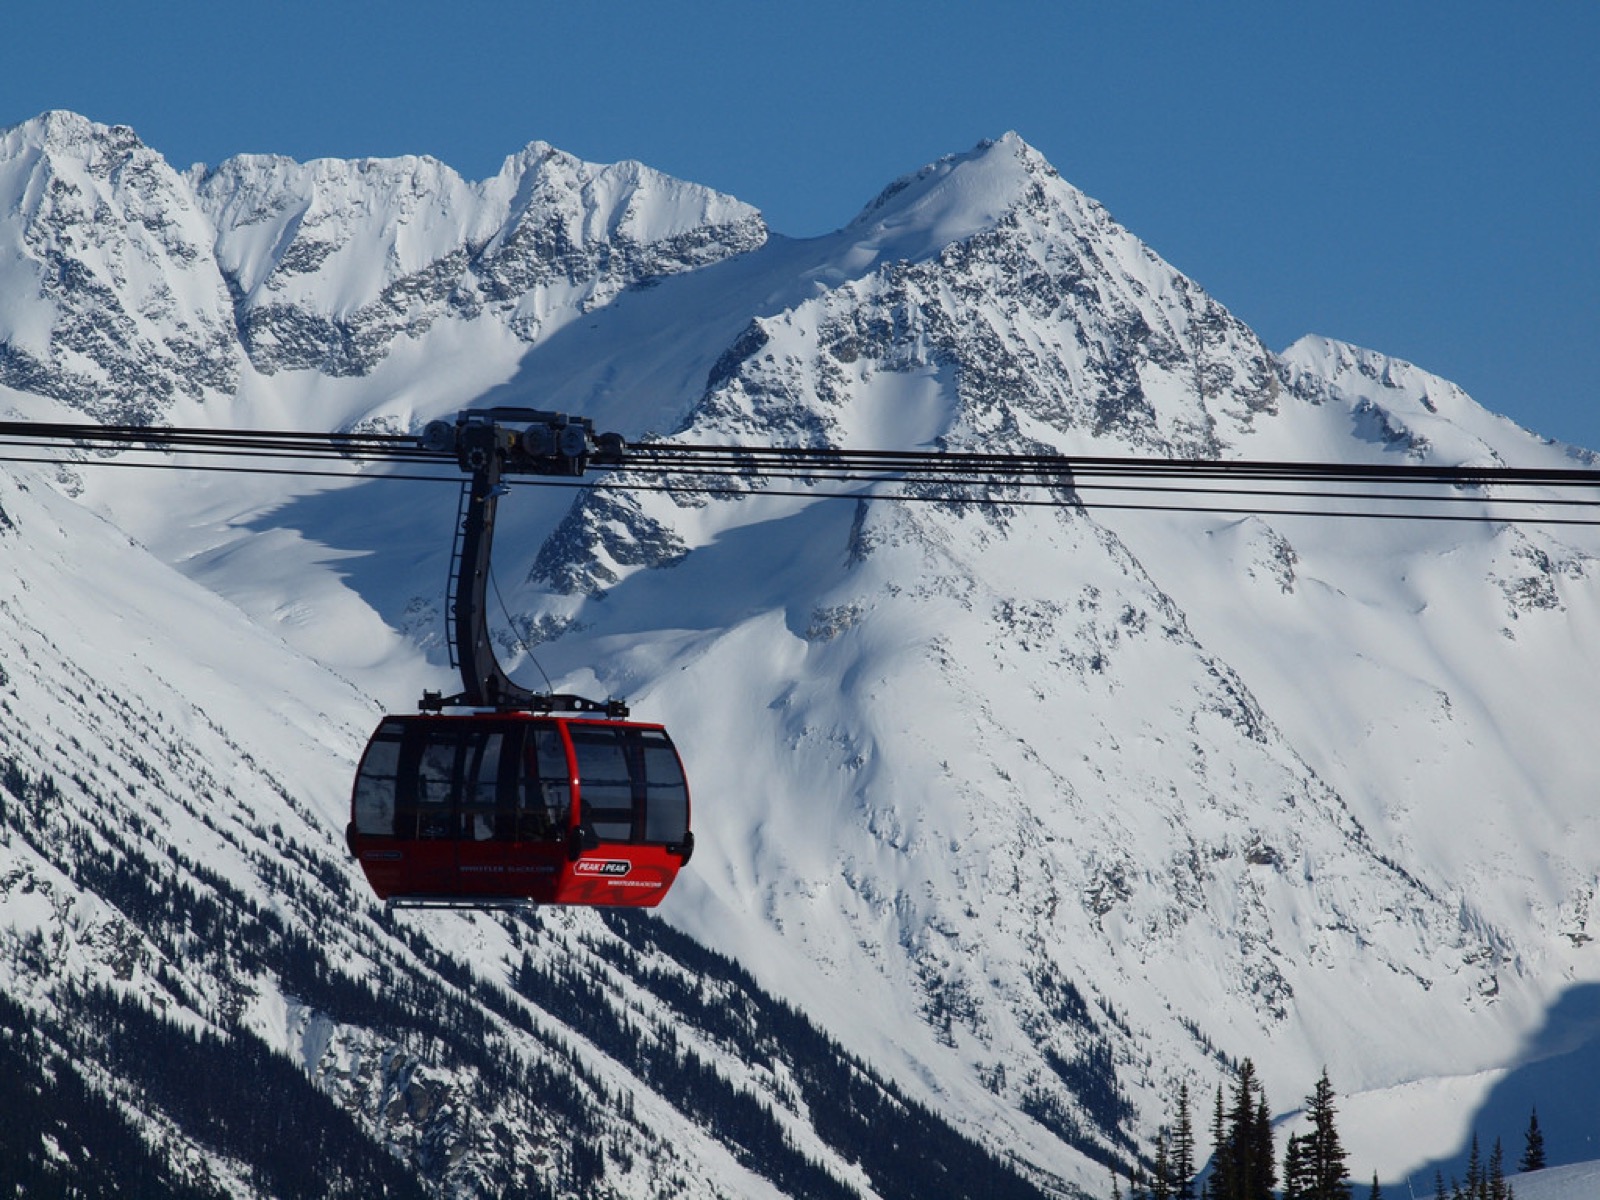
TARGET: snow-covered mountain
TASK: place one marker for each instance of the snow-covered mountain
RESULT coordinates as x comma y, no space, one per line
202,999
1034,812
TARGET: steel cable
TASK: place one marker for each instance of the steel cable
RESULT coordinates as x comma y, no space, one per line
954,476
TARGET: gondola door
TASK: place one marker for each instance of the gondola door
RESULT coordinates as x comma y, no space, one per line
515,810
634,814
482,811
429,815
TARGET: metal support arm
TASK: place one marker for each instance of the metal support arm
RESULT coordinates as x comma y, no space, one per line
490,444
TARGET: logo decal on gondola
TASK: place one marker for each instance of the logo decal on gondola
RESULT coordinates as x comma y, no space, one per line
613,868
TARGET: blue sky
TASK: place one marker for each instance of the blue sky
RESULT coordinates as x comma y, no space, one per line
1419,178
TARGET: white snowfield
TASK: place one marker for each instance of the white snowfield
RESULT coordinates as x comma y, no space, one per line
1576,1181
1042,811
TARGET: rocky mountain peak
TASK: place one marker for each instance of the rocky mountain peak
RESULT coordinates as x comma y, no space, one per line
956,196
75,136
1054,325
116,307
265,265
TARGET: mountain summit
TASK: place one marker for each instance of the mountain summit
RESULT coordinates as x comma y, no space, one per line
1020,816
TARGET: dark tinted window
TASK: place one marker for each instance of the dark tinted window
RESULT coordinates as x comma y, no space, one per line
373,803
485,811
546,803
667,794
438,758
631,784
605,784
510,780
469,779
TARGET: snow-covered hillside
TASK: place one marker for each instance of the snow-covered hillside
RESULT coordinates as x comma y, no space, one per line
1578,1181
177,915
1038,811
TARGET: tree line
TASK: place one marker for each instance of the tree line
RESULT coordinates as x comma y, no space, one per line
1314,1165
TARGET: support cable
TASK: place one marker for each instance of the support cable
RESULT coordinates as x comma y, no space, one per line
833,473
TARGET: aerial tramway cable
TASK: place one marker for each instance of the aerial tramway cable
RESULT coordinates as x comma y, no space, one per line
947,476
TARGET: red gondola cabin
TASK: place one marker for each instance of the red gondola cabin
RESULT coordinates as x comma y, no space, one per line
502,807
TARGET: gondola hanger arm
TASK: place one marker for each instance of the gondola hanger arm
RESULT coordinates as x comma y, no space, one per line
490,443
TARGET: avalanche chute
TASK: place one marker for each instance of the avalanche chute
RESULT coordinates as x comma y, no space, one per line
515,797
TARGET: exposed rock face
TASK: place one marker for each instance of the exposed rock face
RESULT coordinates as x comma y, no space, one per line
136,285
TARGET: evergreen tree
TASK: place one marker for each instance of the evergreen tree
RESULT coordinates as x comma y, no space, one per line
1325,1153
1240,1142
1267,1162
1183,1150
1377,1192
1495,1186
1296,1177
1161,1178
1220,1185
1533,1153
1476,1180
1246,1168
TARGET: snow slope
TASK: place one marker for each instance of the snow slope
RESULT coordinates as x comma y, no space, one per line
1318,790
173,792
1573,1182
1040,811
